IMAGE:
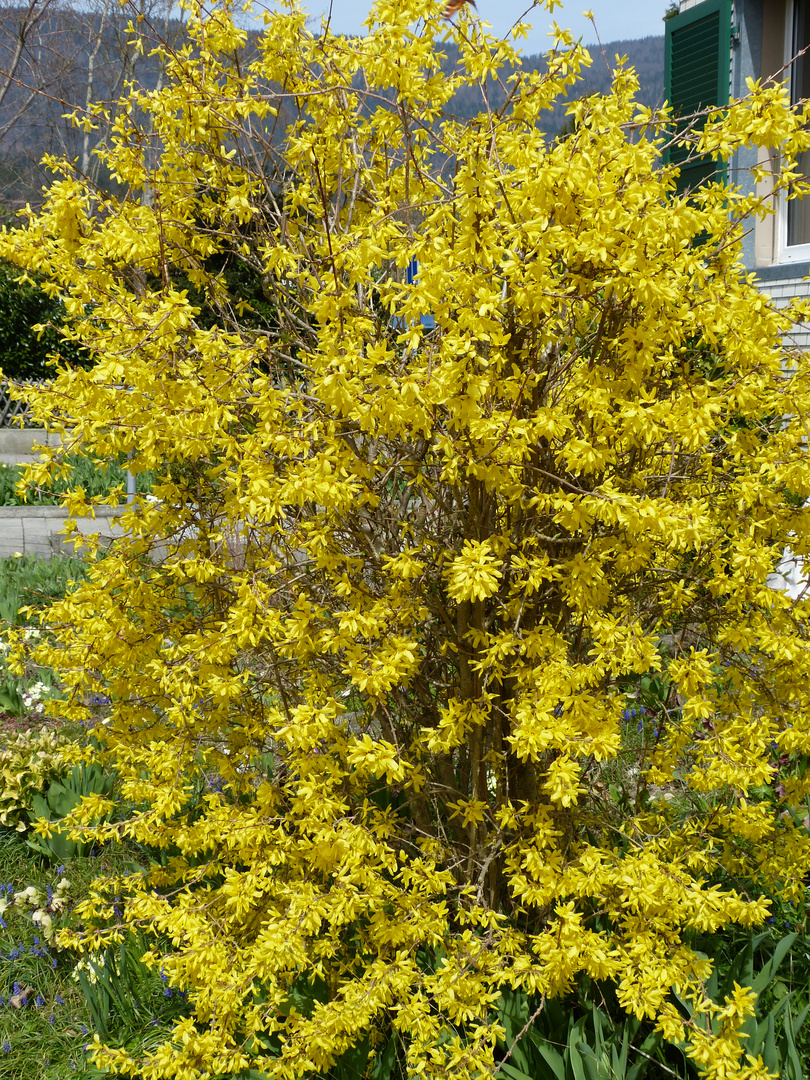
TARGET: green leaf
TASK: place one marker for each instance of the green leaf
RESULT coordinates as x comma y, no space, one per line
795,1072
384,1061
768,1051
642,1063
552,1062
97,1002
574,1056
779,953
597,1066
351,1065
304,995
517,1074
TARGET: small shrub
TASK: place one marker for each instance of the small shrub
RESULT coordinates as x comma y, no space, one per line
29,762
24,352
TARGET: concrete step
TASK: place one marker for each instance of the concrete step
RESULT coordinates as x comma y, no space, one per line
35,530
17,444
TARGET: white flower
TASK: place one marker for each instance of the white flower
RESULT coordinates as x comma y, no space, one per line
43,919
31,896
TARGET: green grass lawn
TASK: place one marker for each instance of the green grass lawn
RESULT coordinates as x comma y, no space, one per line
44,1020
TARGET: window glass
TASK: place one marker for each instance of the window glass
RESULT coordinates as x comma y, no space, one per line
798,212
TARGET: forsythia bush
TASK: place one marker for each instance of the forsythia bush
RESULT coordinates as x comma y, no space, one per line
401,581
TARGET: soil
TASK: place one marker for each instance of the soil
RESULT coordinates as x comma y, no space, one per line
13,725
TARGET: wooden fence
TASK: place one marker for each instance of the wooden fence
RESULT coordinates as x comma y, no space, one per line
11,411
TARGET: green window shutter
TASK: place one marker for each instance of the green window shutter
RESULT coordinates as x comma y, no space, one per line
696,76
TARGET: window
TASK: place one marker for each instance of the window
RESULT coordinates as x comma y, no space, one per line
796,223
696,77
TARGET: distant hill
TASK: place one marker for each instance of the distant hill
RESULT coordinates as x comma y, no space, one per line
645,55
74,56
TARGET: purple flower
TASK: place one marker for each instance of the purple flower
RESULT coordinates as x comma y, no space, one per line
58,997
7,1046
640,726
40,1001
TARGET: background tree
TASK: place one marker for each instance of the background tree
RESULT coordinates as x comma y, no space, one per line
56,62
403,586
24,351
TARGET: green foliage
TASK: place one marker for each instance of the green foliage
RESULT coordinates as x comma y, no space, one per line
585,1037
63,796
24,352
97,478
28,585
44,1022
576,1039
122,993
778,970
28,581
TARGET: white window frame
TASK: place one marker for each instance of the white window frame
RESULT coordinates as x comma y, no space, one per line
788,253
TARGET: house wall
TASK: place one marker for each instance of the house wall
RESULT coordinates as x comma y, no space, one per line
775,282
759,53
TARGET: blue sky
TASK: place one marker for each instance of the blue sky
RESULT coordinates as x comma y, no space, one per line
615,19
